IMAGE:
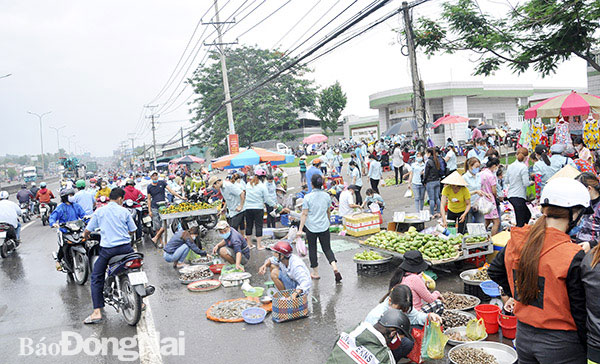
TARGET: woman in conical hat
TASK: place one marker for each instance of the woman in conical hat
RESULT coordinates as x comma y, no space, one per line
457,197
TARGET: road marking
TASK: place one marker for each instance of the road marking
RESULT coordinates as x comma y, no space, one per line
148,339
27,225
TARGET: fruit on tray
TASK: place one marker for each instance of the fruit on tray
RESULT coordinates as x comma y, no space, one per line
191,206
432,247
368,255
475,239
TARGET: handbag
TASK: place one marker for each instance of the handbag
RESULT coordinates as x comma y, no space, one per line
286,308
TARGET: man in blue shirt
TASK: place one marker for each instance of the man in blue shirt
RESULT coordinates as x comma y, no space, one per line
234,247
313,170
84,198
156,194
116,228
180,245
375,173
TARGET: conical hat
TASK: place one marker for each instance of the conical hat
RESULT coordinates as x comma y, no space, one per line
567,171
454,179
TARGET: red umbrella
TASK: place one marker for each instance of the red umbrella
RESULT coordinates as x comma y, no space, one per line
449,119
572,104
314,138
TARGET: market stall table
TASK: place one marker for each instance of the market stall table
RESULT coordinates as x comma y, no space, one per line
167,218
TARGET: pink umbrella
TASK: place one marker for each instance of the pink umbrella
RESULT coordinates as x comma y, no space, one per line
188,159
572,104
314,138
449,119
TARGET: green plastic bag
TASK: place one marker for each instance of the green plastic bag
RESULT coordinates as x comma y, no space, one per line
434,342
531,194
476,329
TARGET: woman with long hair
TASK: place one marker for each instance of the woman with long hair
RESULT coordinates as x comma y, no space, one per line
517,180
257,196
450,159
543,167
489,184
415,180
589,229
590,274
473,178
540,268
431,179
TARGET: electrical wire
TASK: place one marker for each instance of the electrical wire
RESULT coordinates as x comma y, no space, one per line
244,17
295,25
265,18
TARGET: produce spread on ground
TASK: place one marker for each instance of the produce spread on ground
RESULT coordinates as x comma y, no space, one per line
432,247
232,310
189,206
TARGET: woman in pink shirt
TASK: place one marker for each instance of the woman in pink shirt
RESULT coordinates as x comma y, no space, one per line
489,182
409,273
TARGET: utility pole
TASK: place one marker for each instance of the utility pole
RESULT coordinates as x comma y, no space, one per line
152,117
57,138
40,116
419,109
132,149
182,144
220,47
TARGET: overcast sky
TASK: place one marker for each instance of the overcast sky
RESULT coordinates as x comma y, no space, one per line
94,64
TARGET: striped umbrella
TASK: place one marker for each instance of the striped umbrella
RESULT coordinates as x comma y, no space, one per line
572,104
251,157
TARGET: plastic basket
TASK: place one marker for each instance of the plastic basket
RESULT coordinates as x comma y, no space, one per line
372,270
490,288
286,309
253,311
475,290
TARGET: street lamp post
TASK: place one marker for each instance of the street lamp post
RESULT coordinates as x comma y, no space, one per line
57,138
69,139
10,74
41,135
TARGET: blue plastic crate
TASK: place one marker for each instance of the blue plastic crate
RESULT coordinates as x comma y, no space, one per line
284,219
335,219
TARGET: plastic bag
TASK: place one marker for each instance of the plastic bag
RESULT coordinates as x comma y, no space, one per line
415,353
429,282
484,205
476,329
434,342
408,193
301,246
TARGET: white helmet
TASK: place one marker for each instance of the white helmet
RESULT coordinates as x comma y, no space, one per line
3,195
565,192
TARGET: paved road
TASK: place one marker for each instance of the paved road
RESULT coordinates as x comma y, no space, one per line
37,303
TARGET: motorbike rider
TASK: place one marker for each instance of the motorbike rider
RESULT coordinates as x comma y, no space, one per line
25,196
84,198
156,193
9,214
44,195
133,194
104,190
35,206
116,226
65,212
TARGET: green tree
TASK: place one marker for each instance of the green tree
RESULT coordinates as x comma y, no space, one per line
264,114
332,101
11,172
539,34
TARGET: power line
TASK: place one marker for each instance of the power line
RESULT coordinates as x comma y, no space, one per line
295,25
244,17
265,18
164,88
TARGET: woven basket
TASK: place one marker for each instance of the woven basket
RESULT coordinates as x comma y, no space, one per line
286,309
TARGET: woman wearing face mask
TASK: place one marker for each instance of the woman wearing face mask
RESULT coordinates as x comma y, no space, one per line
257,196
65,212
180,245
517,180
356,178
416,183
541,269
589,228
431,178
103,191
489,184
583,152
473,179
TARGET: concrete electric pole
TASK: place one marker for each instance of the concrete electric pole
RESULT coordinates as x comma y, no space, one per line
152,117
40,116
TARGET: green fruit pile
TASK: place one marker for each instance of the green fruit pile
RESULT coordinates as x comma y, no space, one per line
432,247
368,255
475,239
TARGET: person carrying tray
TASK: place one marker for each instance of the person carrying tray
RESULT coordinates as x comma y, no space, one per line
288,271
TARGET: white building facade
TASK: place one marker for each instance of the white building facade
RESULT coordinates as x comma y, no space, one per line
487,103
593,78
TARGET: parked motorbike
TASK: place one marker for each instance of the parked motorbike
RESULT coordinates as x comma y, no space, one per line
147,228
25,215
44,213
126,285
101,201
7,244
130,205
